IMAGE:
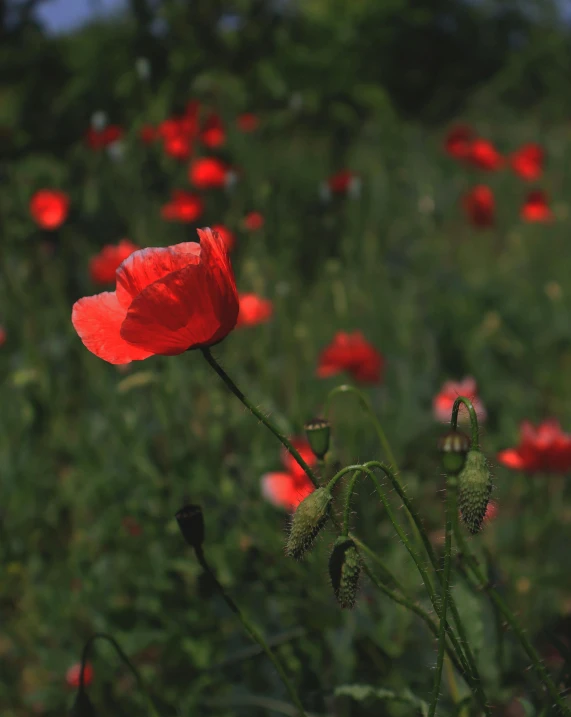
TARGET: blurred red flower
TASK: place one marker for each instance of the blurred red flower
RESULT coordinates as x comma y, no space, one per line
148,134
479,205
444,400
131,526
542,449
458,140
227,236
213,134
101,138
288,488
73,674
102,266
209,173
482,154
351,353
167,301
253,221
49,208
2,336
536,208
527,162
343,183
253,310
183,207
247,122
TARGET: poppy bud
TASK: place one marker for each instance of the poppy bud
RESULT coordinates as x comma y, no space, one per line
475,487
454,447
344,571
191,523
310,516
82,707
318,431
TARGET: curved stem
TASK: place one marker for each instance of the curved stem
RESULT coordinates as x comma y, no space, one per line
347,511
450,510
252,631
259,415
473,419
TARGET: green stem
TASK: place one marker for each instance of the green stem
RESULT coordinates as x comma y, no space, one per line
388,575
259,415
510,619
252,631
473,420
451,499
141,685
347,511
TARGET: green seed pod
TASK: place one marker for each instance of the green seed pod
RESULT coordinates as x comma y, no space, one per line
310,516
475,487
344,571
318,431
453,447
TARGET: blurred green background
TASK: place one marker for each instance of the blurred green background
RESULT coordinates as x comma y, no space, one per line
88,450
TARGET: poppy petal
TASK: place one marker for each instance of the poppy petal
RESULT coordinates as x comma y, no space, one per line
512,459
97,320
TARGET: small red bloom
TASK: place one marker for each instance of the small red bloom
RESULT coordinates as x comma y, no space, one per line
131,526
73,674
148,134
536,208
2,336
253,221
483,154
167,301
527,162
213,134
444,400
288,488
102,266
479,205
543,449
209,173
101,138
183,207
253,310
227,236
247,122
49,208
351,353
344,183
458,140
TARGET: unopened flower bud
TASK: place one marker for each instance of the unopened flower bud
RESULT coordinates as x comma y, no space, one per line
344,571
318,432
475,487
191,523
454,447
310,516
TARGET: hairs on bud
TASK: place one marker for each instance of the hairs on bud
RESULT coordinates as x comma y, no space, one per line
308,520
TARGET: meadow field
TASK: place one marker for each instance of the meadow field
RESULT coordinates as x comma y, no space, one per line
412,262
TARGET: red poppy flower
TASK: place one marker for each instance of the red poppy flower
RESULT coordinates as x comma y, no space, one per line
458,141
183,207
253,221
209,173
167,301
479,205
344,183
102,266
288,488
148,134
483,154
444,400
49,208
351,353
543,449
213,134
253,310
73,674
247,122
101,138
527,162
227,236
536,208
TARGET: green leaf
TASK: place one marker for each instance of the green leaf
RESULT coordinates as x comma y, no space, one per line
367,693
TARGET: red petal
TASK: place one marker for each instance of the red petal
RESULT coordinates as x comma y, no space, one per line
97,320
512,459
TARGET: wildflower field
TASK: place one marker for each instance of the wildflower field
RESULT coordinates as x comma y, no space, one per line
285,390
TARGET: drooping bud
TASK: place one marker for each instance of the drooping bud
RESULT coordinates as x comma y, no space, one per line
82,707
474,490
310,516
191,523
344,571
454,447
318,431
